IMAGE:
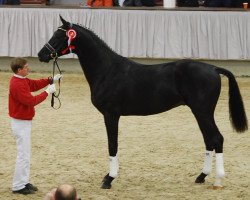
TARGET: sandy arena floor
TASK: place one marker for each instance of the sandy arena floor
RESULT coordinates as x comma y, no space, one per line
160,156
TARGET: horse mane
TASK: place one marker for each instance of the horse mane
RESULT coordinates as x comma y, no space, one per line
96,37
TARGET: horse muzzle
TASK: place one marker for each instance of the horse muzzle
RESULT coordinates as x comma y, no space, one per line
46,57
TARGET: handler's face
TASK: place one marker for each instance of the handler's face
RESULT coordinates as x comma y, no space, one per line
23,71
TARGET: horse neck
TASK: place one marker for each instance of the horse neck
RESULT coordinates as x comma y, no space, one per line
95,58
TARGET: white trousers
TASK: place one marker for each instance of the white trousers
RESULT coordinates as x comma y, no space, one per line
21,130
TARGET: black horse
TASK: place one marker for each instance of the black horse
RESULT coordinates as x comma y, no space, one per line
121,87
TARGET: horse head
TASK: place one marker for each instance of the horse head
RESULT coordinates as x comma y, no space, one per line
60,43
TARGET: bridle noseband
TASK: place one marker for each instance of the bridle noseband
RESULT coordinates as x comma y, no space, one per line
52,50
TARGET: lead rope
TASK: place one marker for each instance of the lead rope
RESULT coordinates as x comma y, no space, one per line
54,95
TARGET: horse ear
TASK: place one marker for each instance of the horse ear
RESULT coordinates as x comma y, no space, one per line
63,21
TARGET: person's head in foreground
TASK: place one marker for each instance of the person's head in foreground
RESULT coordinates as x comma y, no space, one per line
63,192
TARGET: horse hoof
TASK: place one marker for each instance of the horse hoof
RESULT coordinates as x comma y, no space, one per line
201,178
106,186
215,187
106,182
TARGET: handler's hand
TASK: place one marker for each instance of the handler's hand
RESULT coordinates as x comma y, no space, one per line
57,77
51,89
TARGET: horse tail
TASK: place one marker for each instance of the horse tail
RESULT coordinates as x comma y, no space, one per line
237,112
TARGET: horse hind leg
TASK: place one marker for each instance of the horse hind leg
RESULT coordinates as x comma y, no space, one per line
213,141
207,168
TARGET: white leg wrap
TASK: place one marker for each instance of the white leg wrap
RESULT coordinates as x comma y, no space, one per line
113,166
220,173
208,162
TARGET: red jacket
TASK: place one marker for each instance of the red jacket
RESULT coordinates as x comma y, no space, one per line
21,101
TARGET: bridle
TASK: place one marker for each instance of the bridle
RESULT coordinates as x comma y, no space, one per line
71,34
52,50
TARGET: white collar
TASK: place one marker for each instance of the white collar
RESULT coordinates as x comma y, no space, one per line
18,76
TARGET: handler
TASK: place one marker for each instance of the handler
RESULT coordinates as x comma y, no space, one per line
22,111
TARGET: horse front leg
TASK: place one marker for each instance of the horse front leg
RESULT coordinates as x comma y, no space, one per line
111,123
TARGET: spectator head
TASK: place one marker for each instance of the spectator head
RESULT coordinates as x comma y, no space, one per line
66,192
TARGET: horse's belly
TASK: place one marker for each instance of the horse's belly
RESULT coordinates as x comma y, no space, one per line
149,108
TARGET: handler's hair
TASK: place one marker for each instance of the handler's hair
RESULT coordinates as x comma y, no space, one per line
18,63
